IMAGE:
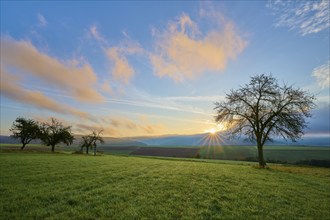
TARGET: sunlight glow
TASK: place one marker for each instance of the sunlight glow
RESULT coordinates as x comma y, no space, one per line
212,144
219,127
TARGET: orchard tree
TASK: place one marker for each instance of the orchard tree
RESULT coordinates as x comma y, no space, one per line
264,109
85,143
25,130
97,138
90,141
54,132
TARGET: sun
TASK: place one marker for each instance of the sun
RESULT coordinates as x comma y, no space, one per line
219,128
212,131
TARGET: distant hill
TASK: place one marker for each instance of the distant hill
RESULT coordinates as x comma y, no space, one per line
220,139
9,140
109,141
186,140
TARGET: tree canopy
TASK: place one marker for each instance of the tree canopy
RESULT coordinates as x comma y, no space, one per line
54,132
264,109
25,130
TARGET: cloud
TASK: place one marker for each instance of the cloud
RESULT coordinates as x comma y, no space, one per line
213,98
77,78
159,103
131,125
322,75
42,20
183,52
121,69
86,129
122,127
93,31
106,87
10,88
305,16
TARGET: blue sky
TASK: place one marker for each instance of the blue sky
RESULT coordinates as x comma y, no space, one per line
154,68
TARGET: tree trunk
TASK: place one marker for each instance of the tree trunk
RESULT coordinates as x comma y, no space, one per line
87,148
23,146
53,148
94,150
262,162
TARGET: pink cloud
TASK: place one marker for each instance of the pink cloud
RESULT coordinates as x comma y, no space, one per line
74,77
183,52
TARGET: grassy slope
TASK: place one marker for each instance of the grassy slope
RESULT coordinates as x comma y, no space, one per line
55,186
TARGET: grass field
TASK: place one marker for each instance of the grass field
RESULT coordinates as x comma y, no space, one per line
282,154
289,154
66,186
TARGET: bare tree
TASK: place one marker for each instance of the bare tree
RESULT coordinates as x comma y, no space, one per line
86,142
54,132
89,141
263,109
25,129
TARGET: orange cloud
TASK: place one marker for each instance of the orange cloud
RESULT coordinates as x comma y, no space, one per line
85,129
11,89
122,127
75,77
121,69
182,52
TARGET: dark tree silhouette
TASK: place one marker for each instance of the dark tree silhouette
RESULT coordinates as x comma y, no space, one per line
89,141
54,133
262,109
97,138
25,129
85,143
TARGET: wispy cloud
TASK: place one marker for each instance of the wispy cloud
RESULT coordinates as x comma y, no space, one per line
305,16
196,98
81,128
119,67
10,88
75,77
93,32
42,22
183,51
122,127
322,75
142,98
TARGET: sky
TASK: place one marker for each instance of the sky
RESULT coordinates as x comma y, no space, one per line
149,68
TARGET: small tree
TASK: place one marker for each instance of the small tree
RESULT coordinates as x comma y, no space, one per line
86,142
97,137
25,130
54,133
262,109
89,141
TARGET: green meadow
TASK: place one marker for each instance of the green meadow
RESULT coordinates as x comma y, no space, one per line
290,154
69,186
